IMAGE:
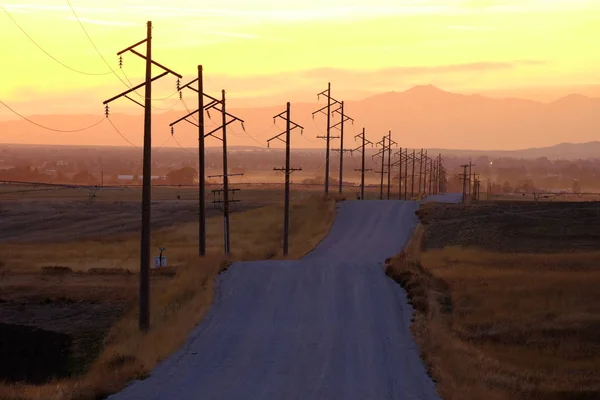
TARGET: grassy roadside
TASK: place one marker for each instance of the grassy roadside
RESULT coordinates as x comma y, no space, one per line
499,325
176,310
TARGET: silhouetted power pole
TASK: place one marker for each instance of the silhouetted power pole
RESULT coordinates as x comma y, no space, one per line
412,189
406,156
201,165
390,144
420,171
287,170
144,300
470,172
328,137
213,103
400,154
431,174
344,118
362,170
227,201
382,172
464,179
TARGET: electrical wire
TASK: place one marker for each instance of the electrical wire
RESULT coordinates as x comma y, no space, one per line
48,128
121,134
128,84
96,47
47,53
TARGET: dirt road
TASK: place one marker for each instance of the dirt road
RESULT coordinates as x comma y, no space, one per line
329,326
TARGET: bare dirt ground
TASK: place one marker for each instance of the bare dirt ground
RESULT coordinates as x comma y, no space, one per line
506,299
516,227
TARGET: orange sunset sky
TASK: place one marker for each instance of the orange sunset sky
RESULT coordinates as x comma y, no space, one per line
266,52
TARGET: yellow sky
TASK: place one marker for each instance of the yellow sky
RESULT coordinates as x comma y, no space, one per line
263,49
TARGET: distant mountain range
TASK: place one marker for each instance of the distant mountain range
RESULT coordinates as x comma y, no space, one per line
423,116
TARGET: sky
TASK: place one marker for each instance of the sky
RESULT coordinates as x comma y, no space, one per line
270,51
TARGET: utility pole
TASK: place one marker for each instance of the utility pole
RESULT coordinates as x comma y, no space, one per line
344,118
328,137
431,171
412,190
425,176
201,164
382,172
420,170
144,290
405,174
399,163
287,170
390,143
441,175
226,202
362,168
469,185
212,104
464,181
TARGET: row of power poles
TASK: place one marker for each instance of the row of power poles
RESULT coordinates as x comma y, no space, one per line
206,103
431,172
218,104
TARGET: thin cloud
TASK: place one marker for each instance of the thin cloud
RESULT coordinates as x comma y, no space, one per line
470,28
232,34
103,22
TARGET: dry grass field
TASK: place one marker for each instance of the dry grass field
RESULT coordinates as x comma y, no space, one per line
88,284
506,299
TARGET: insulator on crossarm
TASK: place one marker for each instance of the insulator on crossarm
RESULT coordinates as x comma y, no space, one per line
301,131
243,127
106,110
172,131
120,61
208,113
268,145
180,95
178,85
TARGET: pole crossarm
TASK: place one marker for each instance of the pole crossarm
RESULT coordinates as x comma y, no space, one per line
346,119
133,89
168,70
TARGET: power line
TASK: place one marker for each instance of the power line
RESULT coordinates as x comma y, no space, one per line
47,53
128,84
46,127
121,134
96,47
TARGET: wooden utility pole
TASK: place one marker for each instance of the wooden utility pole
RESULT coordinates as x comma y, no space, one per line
399,162
412,189
201,168
144,289
382,172
405,174
389,171
424,175
362,168
328,137
431,171
344,118
199,123
287,170
420,170
465,182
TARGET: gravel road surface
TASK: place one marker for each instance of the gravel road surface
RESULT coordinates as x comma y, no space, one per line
328,326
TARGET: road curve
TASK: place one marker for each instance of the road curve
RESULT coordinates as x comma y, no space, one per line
328,326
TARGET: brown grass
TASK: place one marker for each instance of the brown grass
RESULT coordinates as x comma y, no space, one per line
128,354
504,326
